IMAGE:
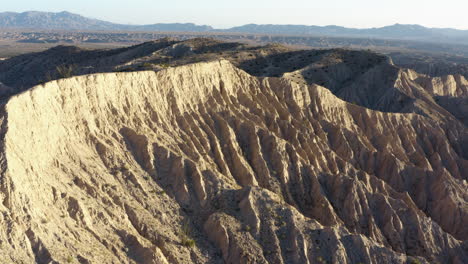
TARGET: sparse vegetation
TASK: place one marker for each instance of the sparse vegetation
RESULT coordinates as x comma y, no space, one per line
147,65
188,242
48,76
127,69
124,167
186,235
282,236
65,71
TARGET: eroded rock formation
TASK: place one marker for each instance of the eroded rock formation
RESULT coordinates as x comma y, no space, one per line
205,163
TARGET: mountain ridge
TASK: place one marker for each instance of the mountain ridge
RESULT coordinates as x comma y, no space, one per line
69,21
396,31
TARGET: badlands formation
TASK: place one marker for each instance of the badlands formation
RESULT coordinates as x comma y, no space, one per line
341,158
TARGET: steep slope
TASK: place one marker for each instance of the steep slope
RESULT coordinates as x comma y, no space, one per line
205,163
367,79
360,77
24,71
449,91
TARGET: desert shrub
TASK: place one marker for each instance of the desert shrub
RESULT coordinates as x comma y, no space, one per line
147,65
188,242
186,235
124,167
65,71
48,76
282,236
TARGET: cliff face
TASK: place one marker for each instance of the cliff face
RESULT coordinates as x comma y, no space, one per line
449,91
448,85
206,163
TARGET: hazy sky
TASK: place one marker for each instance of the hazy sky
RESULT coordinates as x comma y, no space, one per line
220,13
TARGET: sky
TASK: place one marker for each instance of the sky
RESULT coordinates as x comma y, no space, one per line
224,14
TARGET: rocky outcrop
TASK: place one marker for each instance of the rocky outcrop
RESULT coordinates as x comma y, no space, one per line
449,91
205,163
449,85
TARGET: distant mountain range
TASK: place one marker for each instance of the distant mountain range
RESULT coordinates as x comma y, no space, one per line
397,31
70,21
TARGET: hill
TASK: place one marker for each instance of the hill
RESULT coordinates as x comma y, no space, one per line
201,151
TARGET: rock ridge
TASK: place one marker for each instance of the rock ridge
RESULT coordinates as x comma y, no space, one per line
204,163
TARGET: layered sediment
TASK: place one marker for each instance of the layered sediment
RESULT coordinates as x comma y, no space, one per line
205,163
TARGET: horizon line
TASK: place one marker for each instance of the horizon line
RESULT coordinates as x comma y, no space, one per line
240,25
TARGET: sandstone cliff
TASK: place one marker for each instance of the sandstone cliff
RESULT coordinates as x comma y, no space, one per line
205,163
